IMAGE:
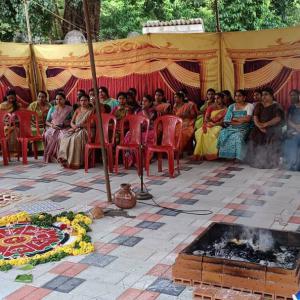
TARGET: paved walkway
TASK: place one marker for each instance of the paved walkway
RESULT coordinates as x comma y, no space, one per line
134,253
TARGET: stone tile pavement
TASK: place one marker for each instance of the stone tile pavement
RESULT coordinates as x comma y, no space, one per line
134,253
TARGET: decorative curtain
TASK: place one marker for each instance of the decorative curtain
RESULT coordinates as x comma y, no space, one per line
14,77
168,75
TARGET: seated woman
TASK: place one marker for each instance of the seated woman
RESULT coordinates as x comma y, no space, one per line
41,107
265,138
72,144
133,104
292,142
187,112
10,105
149,112
231,141
121,111
161,105
210,99
106,100
207,135
228,100
58,121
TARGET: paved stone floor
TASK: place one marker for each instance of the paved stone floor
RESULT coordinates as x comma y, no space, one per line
134,254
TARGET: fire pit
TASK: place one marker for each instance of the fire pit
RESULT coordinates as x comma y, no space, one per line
260,261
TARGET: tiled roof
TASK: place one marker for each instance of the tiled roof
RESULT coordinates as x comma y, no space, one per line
173,22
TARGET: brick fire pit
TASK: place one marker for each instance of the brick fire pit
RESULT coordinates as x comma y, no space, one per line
268,265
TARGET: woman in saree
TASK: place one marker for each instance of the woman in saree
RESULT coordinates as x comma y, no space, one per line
210,99
265,139
41,107
228,100
121,111
10,105
187,111
149,112
292,142
207,136
106,99
57,122
231,141
72,144
161,105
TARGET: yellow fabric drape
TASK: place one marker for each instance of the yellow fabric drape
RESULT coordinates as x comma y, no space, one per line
14,78
269,72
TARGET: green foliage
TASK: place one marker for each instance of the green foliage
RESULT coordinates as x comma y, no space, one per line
13,23
43,219
119,17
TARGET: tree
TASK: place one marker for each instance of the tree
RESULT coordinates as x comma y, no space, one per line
73,13
119,17
248,15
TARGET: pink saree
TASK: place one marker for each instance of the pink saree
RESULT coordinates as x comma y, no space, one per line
52,137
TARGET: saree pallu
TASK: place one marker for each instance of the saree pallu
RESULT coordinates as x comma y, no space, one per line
163,109
72,144
200,119
187,113
51,136
231,142
34,106
207,138
11,131
292,152
292,143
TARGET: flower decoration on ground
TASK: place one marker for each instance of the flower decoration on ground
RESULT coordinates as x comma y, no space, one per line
40,238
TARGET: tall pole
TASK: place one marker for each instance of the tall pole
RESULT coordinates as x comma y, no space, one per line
95,87
27,21
218,28
33,62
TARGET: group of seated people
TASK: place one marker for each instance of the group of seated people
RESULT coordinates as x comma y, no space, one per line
257,132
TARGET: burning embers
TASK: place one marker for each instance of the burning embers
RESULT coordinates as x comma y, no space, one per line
257,260
255,246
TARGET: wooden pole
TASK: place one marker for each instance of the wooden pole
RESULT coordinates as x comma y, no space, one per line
33,62
27,21
218,28
98,114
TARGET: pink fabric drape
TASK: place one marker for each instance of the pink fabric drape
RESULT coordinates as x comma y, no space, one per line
145,84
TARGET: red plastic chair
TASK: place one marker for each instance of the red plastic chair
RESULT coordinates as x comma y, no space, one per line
3,139
26,119
170,127
109,123
134,124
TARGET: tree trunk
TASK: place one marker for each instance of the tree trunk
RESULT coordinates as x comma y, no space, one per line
74,15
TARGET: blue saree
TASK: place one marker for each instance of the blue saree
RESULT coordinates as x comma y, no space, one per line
231,141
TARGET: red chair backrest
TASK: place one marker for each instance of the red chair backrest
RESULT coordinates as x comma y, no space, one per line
135,122
109,123
26,118
4,120
170,127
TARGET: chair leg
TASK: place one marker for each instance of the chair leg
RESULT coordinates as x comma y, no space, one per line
138,161
4,153
178,162
86,159
24,151
117,160
35,150
171,163
93,158
125,160
148,158
110,159
159,161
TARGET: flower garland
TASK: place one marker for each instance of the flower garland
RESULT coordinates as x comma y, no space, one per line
78,223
